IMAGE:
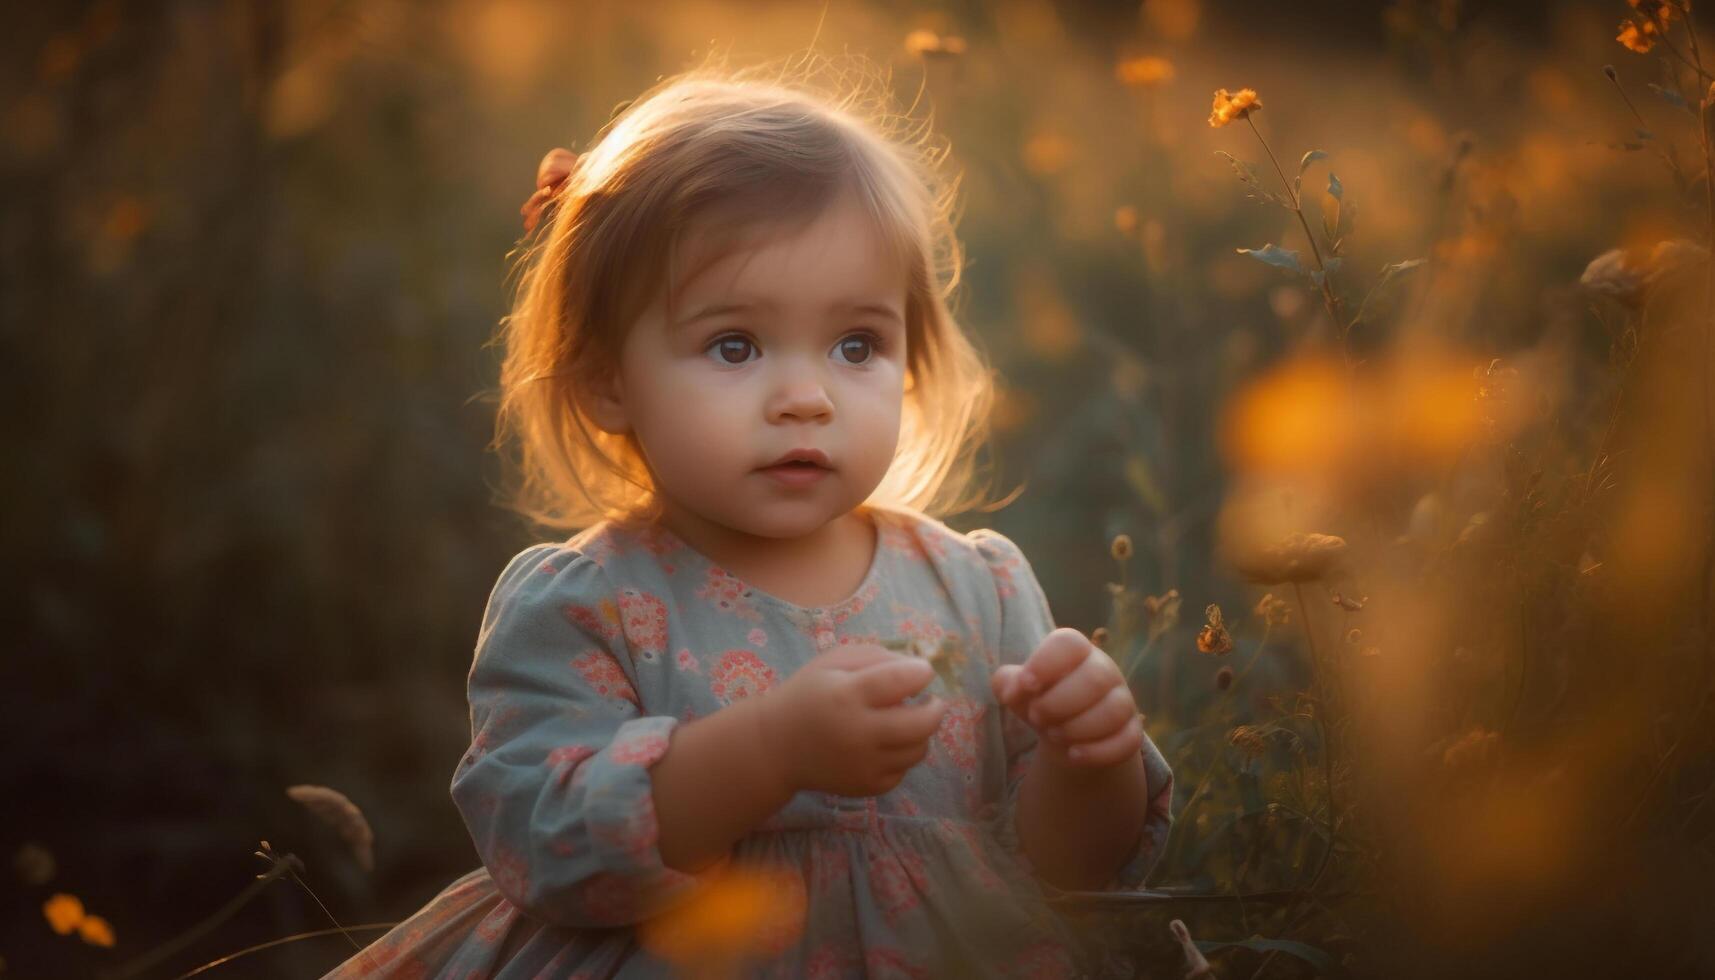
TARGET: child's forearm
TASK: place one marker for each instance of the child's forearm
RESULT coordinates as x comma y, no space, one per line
1106,807
717,781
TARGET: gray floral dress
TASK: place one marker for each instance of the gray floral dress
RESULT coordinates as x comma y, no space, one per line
593,650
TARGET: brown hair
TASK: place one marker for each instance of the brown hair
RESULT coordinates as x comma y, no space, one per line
714,141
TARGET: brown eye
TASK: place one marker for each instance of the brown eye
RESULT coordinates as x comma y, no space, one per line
857,349
731,350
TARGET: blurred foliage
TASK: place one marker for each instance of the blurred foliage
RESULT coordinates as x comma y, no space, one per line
252,252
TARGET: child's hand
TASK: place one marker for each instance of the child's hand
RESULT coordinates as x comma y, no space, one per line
1075,697
550,174
839,726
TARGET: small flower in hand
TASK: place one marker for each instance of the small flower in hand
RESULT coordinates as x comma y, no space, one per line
1074,695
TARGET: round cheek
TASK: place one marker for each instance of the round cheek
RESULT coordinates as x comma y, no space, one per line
873,433
690,434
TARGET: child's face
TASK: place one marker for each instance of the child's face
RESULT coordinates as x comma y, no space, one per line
724,392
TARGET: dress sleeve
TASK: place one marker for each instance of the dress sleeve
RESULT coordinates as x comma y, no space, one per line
555,788
1025,620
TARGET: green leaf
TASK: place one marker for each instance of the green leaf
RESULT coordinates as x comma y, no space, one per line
1317,958
1275,256
1309,158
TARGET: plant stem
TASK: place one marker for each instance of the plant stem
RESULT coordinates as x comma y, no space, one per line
1668,158
281,868
1328,297
281,942
1266,628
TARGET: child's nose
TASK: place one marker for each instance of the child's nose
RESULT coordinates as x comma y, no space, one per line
802,398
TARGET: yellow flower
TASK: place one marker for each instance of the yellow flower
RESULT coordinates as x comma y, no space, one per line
63,913
1231,107
95,931
1145,72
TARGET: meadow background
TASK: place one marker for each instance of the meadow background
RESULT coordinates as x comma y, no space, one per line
250,254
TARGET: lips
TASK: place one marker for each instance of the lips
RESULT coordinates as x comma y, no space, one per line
802,458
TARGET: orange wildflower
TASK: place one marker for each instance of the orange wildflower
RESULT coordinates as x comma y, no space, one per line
95,931
1229,107
1638,36
63,913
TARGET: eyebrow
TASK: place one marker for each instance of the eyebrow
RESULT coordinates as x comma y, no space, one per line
718,309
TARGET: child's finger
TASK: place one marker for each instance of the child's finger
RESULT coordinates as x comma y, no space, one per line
909,725
1098,721
1079,690
1059,653
1114,749
1007,689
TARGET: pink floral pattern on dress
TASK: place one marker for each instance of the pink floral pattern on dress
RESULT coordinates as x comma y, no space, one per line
916,624
740,674
600,620
686,661
832,961
788,908
858,639
510,873
633,836
638,749
493,926
895,877
726,594
643,617
604,676
564,760
975,846
890,963
959,734
830,866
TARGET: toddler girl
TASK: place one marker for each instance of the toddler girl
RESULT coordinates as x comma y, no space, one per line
732,367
